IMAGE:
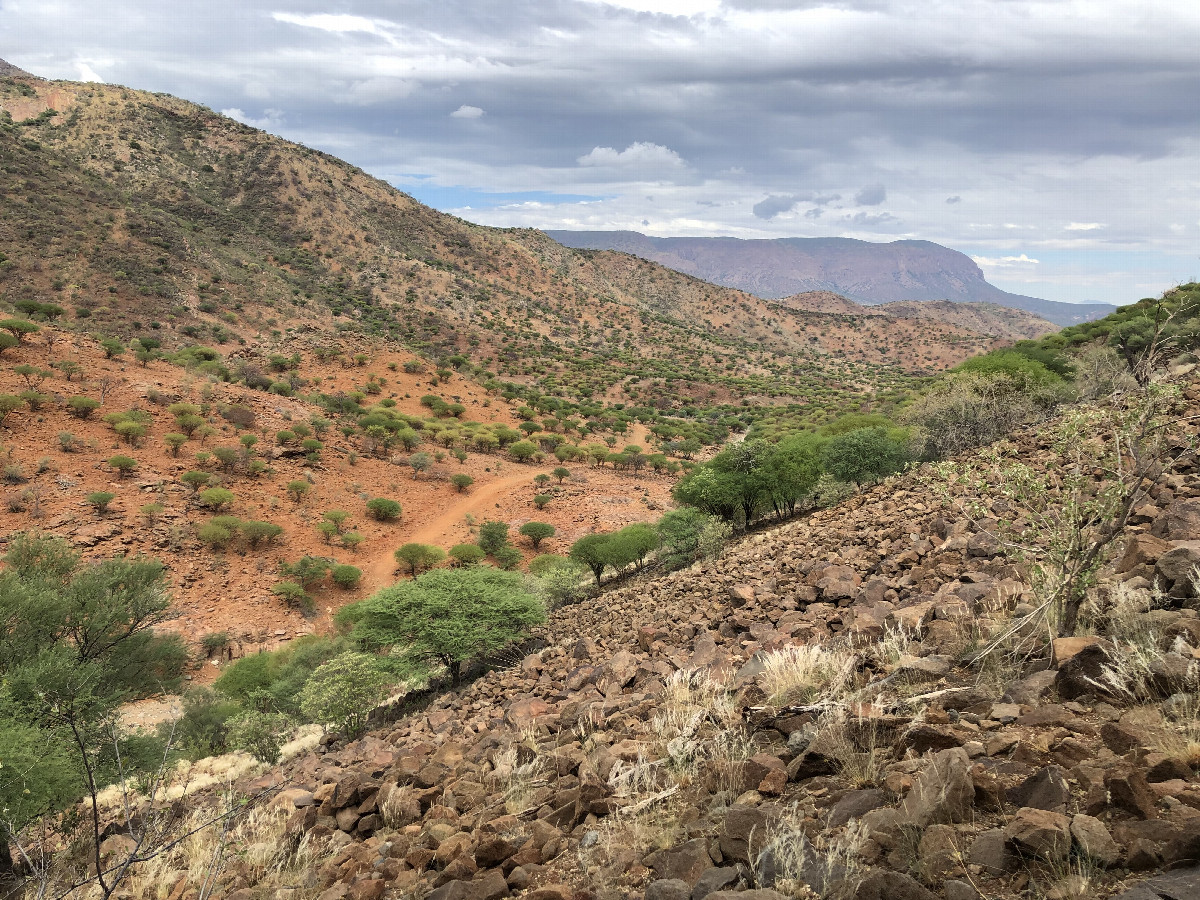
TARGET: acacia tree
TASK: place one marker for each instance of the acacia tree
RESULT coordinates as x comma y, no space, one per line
449,616
77,640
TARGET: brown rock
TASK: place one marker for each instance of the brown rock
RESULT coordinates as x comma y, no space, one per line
744,832
943,791
1083,673
1094,841
1044,789
991,852
1040,833
687,862
1120,739
1142,550
1129,791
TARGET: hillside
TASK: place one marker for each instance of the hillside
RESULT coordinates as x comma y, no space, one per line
801,714
142,213
984,318
866,272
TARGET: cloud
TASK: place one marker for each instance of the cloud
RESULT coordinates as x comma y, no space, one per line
1085,226
87,73
999,262
271,119
954,199
882,222
871,195
776,205
467,112
333,23
642,154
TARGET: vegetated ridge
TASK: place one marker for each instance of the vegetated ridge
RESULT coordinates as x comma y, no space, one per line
866,272
140,211
985,318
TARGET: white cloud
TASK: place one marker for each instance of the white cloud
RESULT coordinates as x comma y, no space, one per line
271,120
999,262
664,7
87,73
467,112
640,154
1085,226
335,24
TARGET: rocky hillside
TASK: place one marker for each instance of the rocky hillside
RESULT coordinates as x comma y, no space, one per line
984,318
867,273
137,212
801,714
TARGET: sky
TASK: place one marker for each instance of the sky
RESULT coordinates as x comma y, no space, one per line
1056,142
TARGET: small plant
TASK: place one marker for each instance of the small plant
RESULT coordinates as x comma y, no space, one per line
492,536
297,489
14,474
507,557
214,642
336,517
66,442
174,441
307,570
215,535
383,510
537,532
256,532
195,479
562,473
124,465
467,554
351,540
216,498
151,512
293,595
418,557
100,500
461,481
345,576
540,500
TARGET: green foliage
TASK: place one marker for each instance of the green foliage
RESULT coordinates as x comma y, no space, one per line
419,557
863,455
492,536
19,328
123,464
216,498
9,403
297,488
461,481
507,557
351,540
174,441
383,510
215,535
591,551
467,554
336,517
341,693
100,500
1020,368
446,615
293,595
522,451
345,576
259,733
195,479
256,532
558,580
203,728
308,570
541,500
112,347
77,640
537,532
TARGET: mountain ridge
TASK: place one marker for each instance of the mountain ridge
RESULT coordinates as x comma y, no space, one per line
866,272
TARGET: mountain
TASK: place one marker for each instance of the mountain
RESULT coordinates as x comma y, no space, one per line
983,318
866,272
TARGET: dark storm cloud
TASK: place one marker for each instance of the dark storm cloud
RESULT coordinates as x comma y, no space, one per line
1047,114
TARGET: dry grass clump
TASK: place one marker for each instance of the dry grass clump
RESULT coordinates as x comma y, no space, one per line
518,780
805,869
1180,735
858,743
804,674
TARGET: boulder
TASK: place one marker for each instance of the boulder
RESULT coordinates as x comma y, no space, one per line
744,832
1040,833
716,879
685,863
1044,789
1183,884
1093,840
1142,550
1083,673
943,791
668,889
1128,790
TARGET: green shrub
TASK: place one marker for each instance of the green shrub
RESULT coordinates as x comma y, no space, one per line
383,510
195,479
418,557
351,540
259,733
541,500
203,728
293,595
492,536
537,532
467,554
256,532
446,616
100,500
298,488
9,403
345,576
215,535
216,498
82,407
123,464
507,557
341,693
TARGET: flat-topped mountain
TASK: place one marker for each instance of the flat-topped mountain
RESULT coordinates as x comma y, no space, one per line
866,272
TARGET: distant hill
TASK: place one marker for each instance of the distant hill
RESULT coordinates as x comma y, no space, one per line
8,70
983,318
866,272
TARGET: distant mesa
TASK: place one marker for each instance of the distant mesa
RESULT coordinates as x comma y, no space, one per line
865,272
8,70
